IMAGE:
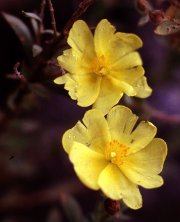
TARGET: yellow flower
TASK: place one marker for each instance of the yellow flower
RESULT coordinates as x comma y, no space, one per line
109,154
101,68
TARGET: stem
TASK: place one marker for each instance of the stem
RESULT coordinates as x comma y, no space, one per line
19,74
41,26
16,66
154,113
83,6
43,4
53,21
51,49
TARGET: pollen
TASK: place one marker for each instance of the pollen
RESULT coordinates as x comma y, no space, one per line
116,152
113,154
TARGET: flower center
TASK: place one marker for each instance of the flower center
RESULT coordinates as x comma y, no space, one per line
116,152
99,66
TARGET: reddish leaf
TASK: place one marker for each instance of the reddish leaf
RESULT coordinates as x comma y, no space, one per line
143,20
167,28
31,16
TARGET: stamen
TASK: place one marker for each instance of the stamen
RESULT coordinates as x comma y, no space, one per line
116,152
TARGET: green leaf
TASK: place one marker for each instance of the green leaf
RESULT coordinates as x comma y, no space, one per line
22,32
167,28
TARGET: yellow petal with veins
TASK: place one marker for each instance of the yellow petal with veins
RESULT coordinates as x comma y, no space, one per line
88,164
110,94
97,130
80,37
130,76
142,136
142,167
72,62
104,32
141,87
87,90
116,186
70,84
129,61
78,133
121,122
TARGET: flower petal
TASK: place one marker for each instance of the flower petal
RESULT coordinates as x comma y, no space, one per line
110,94
61,79
130,76
131,40
87,90
87,164
129,61
121,121
97,130
142,136
78,133
80,37
70,84
116,186
142,167
73,63
104,32
127,89
125,42
141,87
108,43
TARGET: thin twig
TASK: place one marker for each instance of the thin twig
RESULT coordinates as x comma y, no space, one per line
51,49
83,6
154,113
41,15
16,66
17,73
164,117
53,20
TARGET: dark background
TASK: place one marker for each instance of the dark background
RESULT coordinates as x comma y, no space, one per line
37,181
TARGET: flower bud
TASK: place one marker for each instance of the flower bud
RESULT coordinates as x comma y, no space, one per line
157,16
111,206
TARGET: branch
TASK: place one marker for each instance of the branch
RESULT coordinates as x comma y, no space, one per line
156,114
53,21
83,6
16,74
164,117
55,45
41,15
